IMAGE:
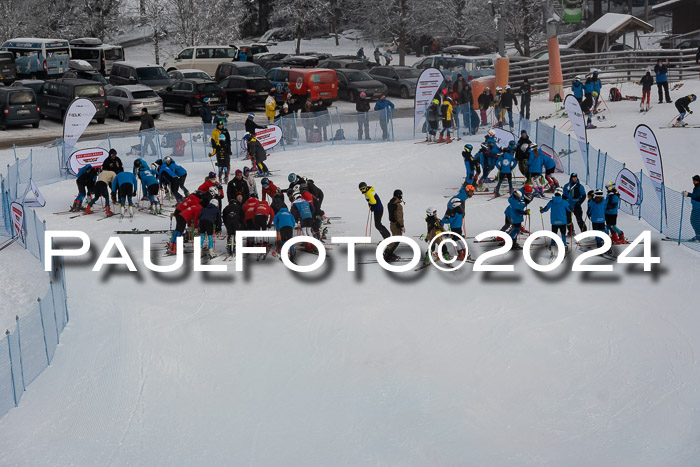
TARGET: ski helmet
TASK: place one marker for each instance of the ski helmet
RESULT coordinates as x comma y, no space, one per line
491,132
517,194
470,188
511,144
590,193
238,172
693,97
528,197
167,160
598,194
398,194
296,189
455,202
527,189
137,163
558,192
154,167
254,195
362,186
251,116
468,147
246,170
213,191
507,87
431,211
211,175
292,177
533,146
246,137
436,102
222,137
524,147
499,89
265,182
610,186
214,202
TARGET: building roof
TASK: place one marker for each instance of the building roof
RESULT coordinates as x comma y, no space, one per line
613,25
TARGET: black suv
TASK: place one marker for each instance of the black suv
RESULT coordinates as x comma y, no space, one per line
189,94
18,107
8,70
226,69
246,92
57,94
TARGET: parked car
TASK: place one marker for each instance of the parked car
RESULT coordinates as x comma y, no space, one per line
617,47
400,80
8,70
543,54
56,96
18,106
246,92
251,50
227,69
33,84
339,64
177,75
352,82
100,56
264,58
693,43
202,57
300,61
466,50
316,83
80,69
452,65
189,95
148,74
128,101
319,55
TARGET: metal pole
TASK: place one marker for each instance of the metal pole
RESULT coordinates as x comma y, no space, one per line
537,129
191,143
340,125
43,331
641,174
661,219
38,237
109,141
12,371
569,155
597,170
31,163
680,226
19,345
296,128
331,122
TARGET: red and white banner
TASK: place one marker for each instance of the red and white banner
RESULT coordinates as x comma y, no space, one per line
82,157
628,186
78,117
651,155
426,88
269,137
19,230
578,123
503,137
548,151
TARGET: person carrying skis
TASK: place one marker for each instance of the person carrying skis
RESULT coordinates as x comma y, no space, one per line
508,99
484,100
209,223
104,181
612,204
575,194
284,223
525,98
385,106
221,145
505,164
471,164
237,185
396,224
683,106
432,117
375,206
257,152
695,212
233,220
86,185
446,114
558,216
362,108
596,213
647,82
661,72
149,184
577,89
250,180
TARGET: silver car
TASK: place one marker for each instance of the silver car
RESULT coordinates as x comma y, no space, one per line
177,75
127,101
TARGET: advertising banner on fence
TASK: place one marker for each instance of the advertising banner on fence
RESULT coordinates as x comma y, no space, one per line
629,187
503,137
269,137
547,150
426,88
18,228
578,123
82,157
651,155
78,117
37,200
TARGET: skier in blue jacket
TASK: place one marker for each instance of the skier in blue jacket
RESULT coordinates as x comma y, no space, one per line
597,87
471,164
577,89
284,223
454,216
612,204
560,208
575,194
515,212
384,106
549,167
124,184
86,184
179,179
596,213
149,184
695,212
535,163
505,164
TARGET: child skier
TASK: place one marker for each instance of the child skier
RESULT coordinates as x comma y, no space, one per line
376,208
596,213
125,185
86,185
446,114
434,227
559,208
284,224
233,220
535,164
250,180
647,82
575,195
432,117
505,164
683,106
104,181
221,145
612,204
209,222
149,184
303,212
471,164
452,221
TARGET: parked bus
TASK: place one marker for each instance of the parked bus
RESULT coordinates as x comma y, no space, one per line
39,58
100,56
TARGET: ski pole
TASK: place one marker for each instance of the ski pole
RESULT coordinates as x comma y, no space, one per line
542,219
369,214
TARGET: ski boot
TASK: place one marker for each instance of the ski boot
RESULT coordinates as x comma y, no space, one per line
496,194
448,140
108,211
461,255
131,212
88,209
620,239
76,207
212,253
121,211
614,238
441,139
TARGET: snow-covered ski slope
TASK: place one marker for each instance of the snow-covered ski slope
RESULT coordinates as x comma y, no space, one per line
270,367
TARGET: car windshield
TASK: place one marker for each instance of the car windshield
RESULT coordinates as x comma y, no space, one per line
208,87
256,70
99,78
152,73
21,97
196,75
259,84
89,90
408,73
114,54
144,94
5,58
85,54
357,76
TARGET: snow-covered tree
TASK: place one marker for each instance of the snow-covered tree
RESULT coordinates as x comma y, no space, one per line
197,23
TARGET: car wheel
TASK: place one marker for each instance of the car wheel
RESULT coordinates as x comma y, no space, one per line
403,92
101,121
352,96
121,114
35,125
189,111
240,107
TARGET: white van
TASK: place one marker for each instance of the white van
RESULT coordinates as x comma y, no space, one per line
201,57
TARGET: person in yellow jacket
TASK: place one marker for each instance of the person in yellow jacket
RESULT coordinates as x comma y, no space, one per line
270,106
221,145
446,111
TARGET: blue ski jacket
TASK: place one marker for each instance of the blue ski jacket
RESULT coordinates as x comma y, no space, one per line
577,89
302,209
453,217
612,204
179,171
123,178
535,162
549,163
574,194
596,211
516,210
695,198
559,208
506,162
284,218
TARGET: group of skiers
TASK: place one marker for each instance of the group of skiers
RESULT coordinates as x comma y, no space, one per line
588,95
